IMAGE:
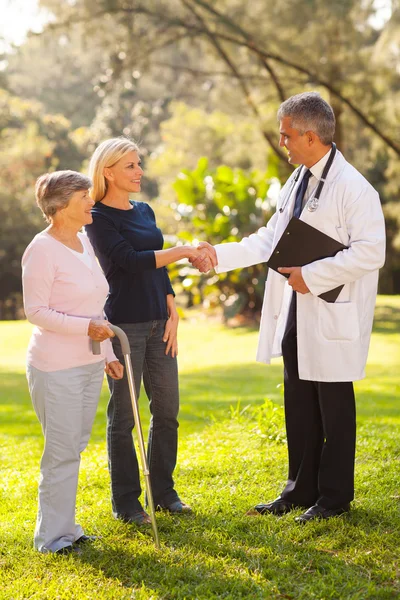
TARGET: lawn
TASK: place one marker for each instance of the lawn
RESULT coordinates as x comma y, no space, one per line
232,454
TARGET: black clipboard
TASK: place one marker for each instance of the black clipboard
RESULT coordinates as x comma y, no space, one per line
302,244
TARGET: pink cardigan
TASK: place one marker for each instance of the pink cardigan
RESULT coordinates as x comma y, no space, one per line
61,296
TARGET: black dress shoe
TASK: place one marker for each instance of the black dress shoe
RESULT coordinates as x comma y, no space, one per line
277,507
319,512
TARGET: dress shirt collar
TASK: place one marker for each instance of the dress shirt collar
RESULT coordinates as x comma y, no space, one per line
317,169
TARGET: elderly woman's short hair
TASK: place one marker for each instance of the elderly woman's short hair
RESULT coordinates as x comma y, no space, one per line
54,190
310,112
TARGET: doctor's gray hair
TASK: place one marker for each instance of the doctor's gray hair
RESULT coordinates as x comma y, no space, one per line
309,112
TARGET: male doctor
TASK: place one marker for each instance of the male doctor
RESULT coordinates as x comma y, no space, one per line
324,345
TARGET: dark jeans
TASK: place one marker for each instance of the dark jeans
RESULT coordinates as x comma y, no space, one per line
321,433
160,378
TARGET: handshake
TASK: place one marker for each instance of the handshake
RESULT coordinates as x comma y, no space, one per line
204,257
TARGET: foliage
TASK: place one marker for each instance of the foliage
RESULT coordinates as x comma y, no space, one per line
191,132
262,60
60,72
223,205
213,56
191,78
31,143
224,468
19,222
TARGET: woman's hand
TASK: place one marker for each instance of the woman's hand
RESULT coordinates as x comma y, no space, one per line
114,369
171,328
202,257
206,250
99,331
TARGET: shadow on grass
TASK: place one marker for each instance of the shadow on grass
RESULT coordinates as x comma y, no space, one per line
209,394
222,554
387,319
206,395
265,557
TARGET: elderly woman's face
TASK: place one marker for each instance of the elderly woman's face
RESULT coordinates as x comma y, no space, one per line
79,208
127,173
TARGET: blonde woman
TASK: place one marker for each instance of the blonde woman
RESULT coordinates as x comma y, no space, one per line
64,295
129,244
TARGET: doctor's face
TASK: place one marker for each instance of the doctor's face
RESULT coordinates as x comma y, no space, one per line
296,143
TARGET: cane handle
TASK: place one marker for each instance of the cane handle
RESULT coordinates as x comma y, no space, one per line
123,338
121,335
96,347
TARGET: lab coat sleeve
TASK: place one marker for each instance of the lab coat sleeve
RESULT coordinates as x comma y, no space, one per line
251,250
366,230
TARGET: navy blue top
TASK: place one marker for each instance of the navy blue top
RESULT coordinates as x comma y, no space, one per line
124,242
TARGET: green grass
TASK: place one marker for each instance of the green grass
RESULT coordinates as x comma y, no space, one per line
232,455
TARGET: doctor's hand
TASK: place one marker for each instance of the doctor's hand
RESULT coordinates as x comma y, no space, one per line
200,260
295,279
206,259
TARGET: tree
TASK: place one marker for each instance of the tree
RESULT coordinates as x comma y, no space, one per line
246,44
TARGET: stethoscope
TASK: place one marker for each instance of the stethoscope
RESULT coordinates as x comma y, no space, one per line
313,202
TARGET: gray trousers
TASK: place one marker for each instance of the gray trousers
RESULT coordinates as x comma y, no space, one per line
65,403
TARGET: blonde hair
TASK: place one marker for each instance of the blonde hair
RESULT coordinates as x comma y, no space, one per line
53,191
106,155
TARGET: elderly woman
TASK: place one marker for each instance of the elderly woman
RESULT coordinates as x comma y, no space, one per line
129,244
64,294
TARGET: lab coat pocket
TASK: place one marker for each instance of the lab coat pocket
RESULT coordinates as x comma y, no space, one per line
338,321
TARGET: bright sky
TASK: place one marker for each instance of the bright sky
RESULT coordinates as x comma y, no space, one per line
19,16
383,13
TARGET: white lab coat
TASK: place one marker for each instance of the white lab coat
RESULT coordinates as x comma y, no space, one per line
332,338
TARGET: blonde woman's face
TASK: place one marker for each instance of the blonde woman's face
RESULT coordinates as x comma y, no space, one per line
127,173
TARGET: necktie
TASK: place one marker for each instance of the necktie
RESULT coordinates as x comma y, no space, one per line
301,190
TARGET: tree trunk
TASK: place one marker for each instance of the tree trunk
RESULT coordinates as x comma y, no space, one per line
335,79
337,109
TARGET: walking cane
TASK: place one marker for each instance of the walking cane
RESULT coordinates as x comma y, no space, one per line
126,351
